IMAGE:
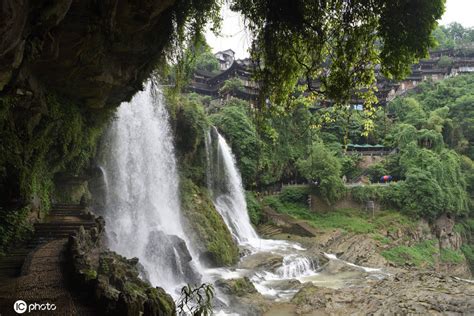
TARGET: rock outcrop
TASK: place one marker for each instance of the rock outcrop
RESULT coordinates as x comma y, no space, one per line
113,280
244,297
206,227
413,293
96,52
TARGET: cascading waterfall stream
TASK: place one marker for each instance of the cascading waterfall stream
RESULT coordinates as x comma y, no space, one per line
143,209
225,184
295,266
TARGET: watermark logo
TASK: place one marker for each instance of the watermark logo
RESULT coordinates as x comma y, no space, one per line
21,307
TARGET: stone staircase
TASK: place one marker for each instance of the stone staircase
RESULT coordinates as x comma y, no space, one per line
269,230
62,221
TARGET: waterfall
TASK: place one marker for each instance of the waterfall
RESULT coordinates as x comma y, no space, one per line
295,266
225,184
142,213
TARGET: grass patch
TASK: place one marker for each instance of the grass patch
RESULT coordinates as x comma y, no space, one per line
347,219
420,255
392,220
378,237
350,220
451,256
468,251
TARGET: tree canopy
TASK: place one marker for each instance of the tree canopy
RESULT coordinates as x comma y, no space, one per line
339,43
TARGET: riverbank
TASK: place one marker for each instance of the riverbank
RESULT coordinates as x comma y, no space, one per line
386,238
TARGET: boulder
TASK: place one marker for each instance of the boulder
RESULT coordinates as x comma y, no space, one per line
237,287
112,281
262,261
171,251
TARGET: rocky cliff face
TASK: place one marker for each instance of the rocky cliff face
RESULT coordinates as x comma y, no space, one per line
96,52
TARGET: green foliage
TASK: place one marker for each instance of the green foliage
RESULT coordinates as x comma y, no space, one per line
231,86
451,256
454,35
420,255
436,179
208,226
196,301
294,38
434,182
14,227
349,166
207,61
445,62
58,136
468,251
378,237
456,97
191,123
38,145
325,168
375,172
295,194
393,220
408,110
350,220
254,208
275,203
365,193
238,129
346,219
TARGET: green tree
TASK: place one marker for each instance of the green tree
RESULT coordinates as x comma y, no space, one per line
207,61
336,41
323,166
239,130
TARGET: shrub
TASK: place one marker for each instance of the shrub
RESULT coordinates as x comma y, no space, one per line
295,194
254,208
324,167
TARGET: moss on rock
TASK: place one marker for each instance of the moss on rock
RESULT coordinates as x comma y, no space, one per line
114,280
238,287
208,226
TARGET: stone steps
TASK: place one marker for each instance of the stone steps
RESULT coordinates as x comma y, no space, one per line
269,230
62,221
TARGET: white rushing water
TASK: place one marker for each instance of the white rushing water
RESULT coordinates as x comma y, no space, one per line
295,266
143,209
225,183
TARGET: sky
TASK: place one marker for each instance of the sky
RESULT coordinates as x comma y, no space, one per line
233,34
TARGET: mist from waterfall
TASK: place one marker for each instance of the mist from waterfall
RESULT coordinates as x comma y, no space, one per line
143,208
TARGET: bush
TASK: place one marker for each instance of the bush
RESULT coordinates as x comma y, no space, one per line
254,208
375,172
324,167
240,132
295,194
